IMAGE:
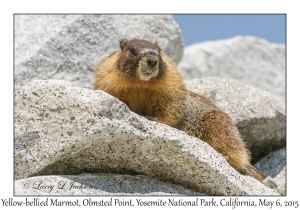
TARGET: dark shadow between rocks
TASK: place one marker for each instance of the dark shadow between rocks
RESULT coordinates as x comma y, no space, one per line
128,184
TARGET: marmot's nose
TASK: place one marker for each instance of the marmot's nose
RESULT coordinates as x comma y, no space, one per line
152,61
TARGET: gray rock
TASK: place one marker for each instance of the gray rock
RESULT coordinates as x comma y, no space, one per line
272,164
273,168
68,47
259,116
251,60
98,184
278,183
62,129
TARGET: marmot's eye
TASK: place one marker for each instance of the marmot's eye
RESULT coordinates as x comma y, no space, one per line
132,50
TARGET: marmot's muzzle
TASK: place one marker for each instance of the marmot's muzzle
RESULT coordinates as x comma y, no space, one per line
151,60
148,66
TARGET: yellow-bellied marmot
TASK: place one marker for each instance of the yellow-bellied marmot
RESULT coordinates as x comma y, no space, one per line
144,78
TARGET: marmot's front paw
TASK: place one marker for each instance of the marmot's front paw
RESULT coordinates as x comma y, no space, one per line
152,118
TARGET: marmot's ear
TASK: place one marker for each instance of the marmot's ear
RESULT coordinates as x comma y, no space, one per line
155,43
123,43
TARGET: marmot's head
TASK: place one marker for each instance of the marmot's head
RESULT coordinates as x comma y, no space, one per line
140,59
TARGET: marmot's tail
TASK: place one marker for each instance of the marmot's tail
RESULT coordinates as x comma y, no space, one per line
251,171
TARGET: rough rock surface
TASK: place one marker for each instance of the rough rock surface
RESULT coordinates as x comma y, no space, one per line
63,129
278,183
98,184
260,117
273,168
251,60
68,47
272,164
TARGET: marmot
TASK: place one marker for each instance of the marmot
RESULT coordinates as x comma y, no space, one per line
147,81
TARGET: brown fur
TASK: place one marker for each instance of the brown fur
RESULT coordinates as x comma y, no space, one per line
161,94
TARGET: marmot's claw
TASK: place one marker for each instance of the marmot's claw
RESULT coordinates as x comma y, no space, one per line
152,118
